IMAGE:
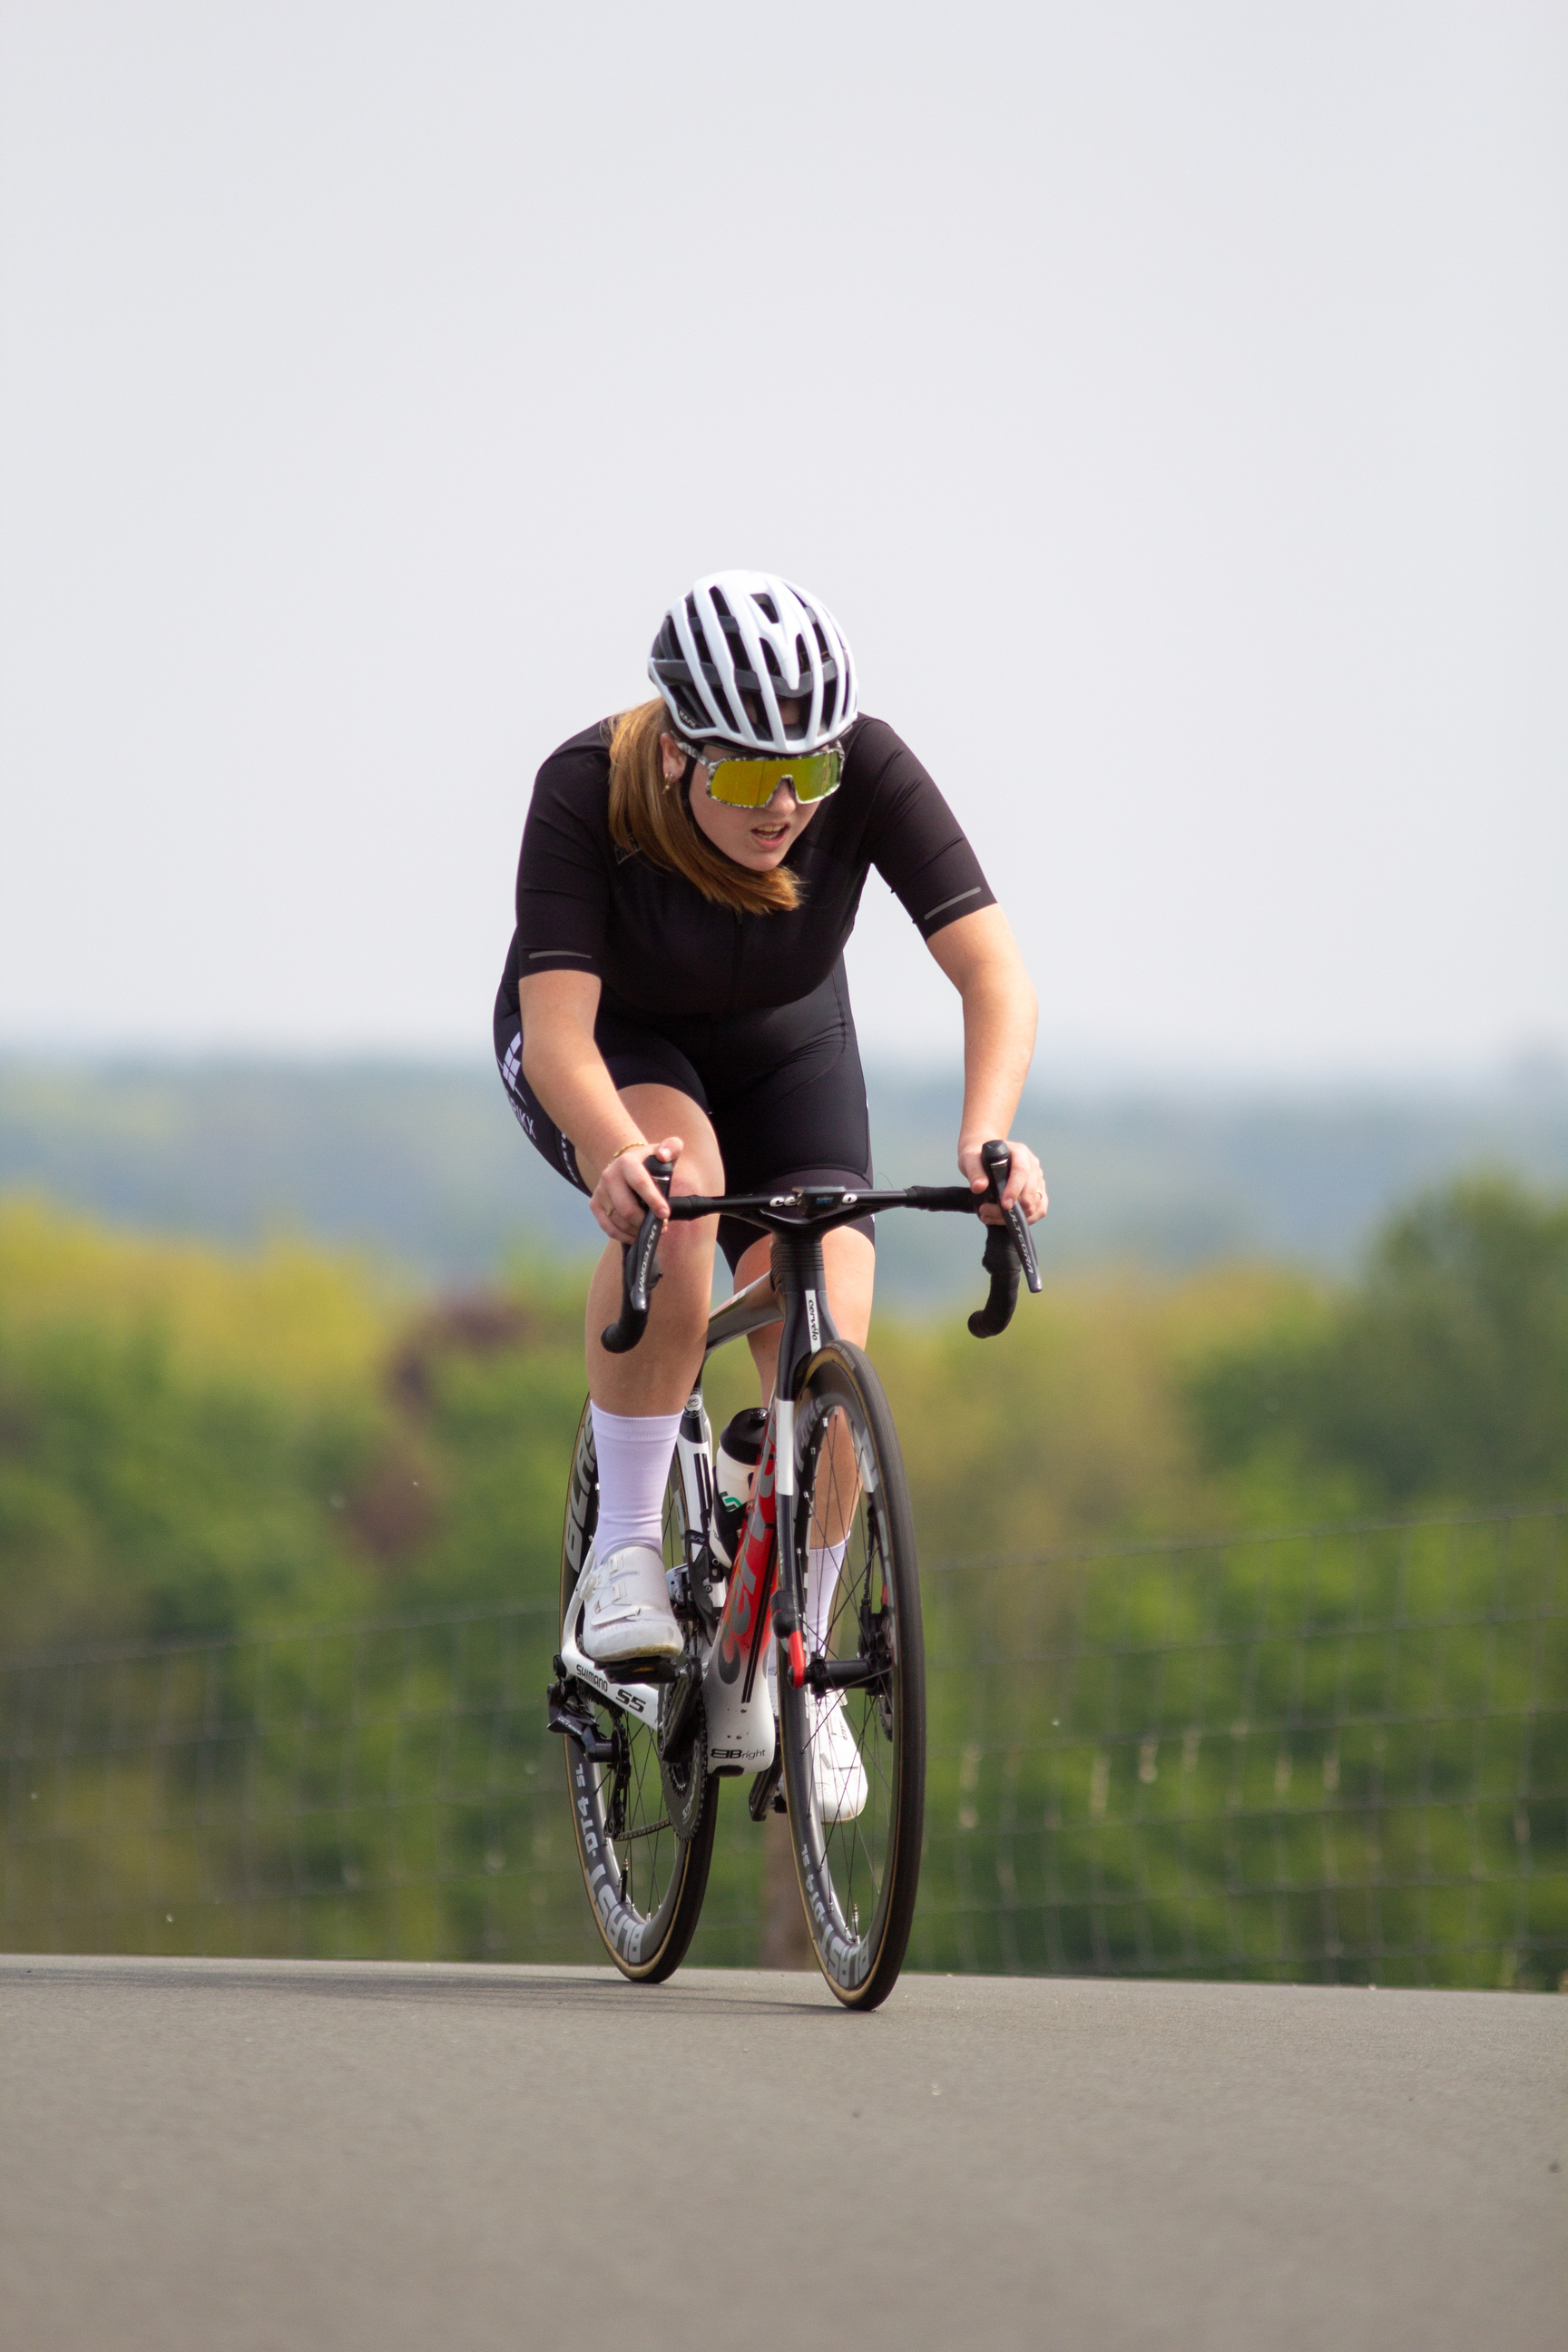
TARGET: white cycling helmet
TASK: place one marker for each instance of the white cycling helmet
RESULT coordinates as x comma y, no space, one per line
727,653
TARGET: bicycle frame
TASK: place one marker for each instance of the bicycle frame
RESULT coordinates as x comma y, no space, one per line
763,1587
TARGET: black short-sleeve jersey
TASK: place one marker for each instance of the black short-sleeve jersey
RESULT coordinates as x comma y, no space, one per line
660,947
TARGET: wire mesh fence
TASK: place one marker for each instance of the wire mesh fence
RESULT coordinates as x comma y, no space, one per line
1335,1754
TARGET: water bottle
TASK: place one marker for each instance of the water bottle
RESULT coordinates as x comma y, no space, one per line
739,1450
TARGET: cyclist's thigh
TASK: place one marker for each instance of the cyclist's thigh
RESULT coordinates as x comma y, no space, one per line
664,1110
803,1112
671,1100
788,1101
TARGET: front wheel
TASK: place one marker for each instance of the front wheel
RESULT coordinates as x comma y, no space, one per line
854,1753
645,1878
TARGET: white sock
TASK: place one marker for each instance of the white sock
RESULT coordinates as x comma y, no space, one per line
823,1566
633,1451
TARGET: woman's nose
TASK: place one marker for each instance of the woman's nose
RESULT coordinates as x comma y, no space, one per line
783,801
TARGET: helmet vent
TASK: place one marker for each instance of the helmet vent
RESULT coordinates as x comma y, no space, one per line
741,643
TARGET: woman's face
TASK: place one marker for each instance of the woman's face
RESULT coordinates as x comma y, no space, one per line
759,837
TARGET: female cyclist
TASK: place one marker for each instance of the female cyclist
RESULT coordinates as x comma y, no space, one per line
689,875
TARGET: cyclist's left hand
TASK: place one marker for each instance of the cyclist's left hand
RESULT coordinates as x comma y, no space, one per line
1025,1182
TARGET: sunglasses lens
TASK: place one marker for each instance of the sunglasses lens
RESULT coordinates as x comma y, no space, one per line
752,783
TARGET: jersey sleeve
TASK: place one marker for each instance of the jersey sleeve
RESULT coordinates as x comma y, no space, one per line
562,874
913,839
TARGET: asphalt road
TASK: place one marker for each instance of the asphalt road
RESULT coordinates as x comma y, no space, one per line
244,2157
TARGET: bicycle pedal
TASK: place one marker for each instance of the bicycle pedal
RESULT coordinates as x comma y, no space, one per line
655,1671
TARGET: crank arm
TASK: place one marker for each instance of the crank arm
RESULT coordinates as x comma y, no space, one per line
764,1797
633,1698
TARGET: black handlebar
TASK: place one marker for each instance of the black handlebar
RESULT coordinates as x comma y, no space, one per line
1010,1246
639,1269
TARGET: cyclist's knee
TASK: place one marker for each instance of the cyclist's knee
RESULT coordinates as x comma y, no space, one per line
686,1262
665,1111
698,1172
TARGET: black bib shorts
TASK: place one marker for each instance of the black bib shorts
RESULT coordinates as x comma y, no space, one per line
782,1086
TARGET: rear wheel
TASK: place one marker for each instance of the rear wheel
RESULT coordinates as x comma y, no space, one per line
645,1881
858,1874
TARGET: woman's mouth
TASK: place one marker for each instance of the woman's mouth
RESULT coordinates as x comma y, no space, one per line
768,833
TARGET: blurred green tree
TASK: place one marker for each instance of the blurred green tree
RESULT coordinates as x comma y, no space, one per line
1444,1374
192,1442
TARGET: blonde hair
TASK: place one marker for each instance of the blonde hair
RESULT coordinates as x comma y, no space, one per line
649,814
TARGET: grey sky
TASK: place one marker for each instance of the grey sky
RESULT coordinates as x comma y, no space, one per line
1169,401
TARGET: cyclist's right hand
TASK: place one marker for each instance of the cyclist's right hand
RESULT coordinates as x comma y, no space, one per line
626,1191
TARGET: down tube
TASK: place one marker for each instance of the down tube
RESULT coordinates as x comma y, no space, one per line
737,1699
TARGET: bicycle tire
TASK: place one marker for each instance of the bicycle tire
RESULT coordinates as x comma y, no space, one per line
646,1941
872,1860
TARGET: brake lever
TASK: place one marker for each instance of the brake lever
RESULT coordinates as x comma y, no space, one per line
639,1269
1009,1249
997,1161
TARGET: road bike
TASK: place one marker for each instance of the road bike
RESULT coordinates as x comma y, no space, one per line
761,1671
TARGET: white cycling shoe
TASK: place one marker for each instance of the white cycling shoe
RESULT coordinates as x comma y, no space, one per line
838,1774
626,1608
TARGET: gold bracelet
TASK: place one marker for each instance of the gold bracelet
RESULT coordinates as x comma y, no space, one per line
638,1146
